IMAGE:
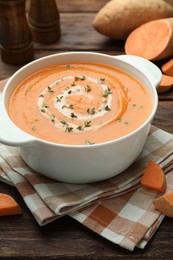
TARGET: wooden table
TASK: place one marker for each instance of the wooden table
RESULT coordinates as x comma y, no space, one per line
20,236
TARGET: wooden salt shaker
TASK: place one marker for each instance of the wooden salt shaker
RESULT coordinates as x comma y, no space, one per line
15,34
44,21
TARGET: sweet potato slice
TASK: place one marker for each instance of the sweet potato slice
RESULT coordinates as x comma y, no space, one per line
167,68
165,204
8,206
165,84
152,40
153,177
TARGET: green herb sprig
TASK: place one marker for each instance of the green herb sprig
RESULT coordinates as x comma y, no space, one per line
73,115
89,143
52,118
58,99
50,89
102,80
71,106
91,111
33,128
87,123
69,129
79,78
107,108
107,92
87,88
80,128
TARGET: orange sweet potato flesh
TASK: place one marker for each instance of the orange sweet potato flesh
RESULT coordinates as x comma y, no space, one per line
165,204
167,68
165,84
152,40
8,206
153,177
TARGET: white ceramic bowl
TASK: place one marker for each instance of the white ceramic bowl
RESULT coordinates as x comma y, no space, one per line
80,163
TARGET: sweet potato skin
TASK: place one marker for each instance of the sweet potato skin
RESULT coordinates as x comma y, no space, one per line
113,19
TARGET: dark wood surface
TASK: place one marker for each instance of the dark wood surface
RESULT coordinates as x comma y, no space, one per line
20,236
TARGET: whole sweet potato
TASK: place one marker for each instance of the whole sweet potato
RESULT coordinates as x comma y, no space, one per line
118,18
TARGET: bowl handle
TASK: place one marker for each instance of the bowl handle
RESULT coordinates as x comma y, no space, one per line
11,134
151,71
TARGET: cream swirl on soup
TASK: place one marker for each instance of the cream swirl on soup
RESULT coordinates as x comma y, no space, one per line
74,97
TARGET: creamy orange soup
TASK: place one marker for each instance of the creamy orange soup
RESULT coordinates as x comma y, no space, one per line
79,103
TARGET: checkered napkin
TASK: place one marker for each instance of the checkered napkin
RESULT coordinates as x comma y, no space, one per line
118,209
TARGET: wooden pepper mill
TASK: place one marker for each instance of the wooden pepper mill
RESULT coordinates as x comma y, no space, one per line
44,21
15,34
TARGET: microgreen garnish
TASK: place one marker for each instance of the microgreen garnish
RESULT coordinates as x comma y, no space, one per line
107,108
88,88
107,92
87,123
68,66
91,111
50,89
89,143
33,128
58,99
73,115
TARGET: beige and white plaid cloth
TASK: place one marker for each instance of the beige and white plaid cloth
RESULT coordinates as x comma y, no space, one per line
118,209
